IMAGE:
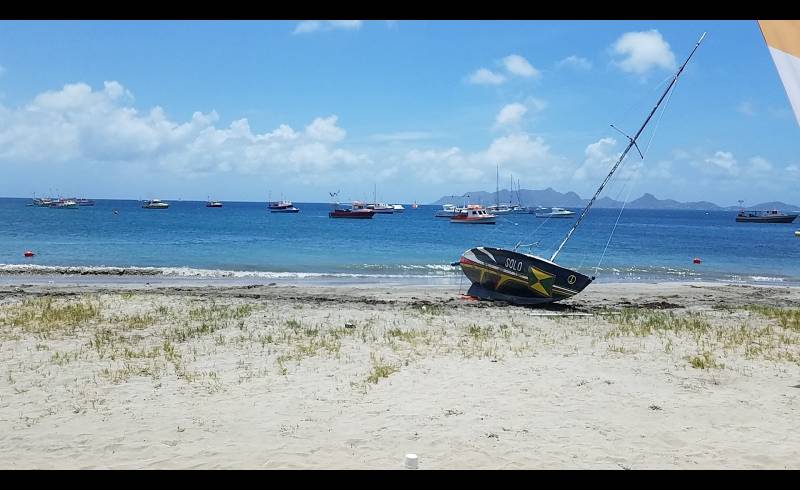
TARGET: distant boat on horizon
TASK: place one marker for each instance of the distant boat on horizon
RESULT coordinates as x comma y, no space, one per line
555,213
447,211
282,206
772,216
155,204
64,204
357,211
213,204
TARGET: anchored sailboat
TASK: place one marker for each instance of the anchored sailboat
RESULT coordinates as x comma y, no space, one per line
508,275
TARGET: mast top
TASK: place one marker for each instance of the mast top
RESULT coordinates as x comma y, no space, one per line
632,143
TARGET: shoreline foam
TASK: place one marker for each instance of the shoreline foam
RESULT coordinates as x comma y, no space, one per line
371,273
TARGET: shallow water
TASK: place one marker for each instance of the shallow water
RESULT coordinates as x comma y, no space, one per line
245,241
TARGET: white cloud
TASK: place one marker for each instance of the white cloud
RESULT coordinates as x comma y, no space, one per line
78,124
325,129
600,156
519,153
575,62
308,26
746,108
721,163
514,64
642,51
484,76
517,65
759,165
510,115
793,170
535,105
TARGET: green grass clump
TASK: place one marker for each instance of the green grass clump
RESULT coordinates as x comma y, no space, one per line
45,317
380,369
788,318
641,323
704,360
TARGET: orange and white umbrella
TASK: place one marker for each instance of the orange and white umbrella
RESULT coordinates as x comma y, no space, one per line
783,41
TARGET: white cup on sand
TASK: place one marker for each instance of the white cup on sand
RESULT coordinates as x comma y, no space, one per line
411,461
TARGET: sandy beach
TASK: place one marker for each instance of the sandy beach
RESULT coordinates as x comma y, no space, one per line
622,376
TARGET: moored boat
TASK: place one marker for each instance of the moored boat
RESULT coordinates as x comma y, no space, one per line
555,213
473,214
773,216
155,204
447,211
82,201
64,204
381,208
356,211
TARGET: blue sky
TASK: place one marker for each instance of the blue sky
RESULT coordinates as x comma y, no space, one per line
421,109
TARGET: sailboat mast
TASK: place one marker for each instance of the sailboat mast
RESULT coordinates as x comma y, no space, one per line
627,149
497,190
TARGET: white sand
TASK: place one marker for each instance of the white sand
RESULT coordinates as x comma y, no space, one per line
548,391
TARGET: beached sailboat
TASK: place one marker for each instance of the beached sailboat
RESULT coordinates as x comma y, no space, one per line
508,275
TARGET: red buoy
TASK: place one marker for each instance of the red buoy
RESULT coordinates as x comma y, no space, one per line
696,260
28,253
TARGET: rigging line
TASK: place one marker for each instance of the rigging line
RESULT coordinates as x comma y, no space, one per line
636,102
532,234
624,203
652,136
589,250
626,151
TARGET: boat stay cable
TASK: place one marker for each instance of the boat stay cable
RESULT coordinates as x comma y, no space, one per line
631,144
632,184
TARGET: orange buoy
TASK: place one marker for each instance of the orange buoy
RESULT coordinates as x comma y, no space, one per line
696,260
28,253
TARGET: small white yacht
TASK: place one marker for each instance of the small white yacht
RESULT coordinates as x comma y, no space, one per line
555,213
500,209
398,208
447,211
155,204
380,207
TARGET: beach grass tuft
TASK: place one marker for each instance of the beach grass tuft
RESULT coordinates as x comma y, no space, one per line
380,369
